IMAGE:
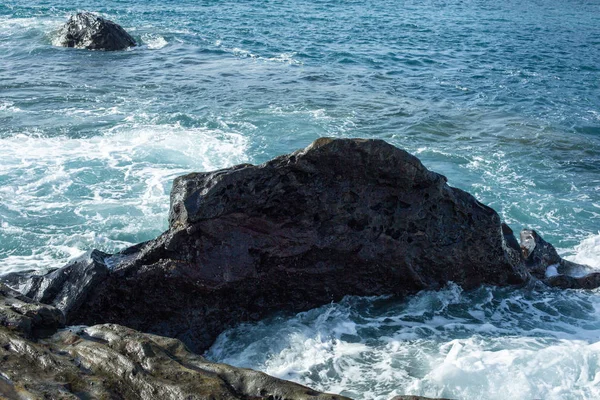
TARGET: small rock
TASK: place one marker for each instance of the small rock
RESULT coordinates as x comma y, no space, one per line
543,262
89,31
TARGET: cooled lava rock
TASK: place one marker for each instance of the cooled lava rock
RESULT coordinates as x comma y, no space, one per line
341,217
544,263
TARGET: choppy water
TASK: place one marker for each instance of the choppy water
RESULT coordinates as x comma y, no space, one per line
503,97
486,344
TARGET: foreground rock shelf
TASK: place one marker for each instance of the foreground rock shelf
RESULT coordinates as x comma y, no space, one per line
341,217
114,362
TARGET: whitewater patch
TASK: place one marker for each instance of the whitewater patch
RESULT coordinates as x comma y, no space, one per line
62,196
450,343
284,58
154,41
32,34
588,252
9,106
12,26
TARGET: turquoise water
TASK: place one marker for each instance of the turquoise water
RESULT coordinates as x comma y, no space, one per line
487,344
501,97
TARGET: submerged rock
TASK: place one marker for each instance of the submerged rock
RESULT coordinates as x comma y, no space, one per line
89,31
341,217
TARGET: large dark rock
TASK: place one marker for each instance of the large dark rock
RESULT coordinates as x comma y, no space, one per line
341,217
89,31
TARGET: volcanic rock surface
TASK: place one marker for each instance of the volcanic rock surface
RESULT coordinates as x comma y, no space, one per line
90,31
341,217
544,263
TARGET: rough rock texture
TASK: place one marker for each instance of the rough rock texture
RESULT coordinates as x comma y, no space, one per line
89,31
341,217
114,362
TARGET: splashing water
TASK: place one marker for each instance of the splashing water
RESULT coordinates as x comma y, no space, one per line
106,192
453,344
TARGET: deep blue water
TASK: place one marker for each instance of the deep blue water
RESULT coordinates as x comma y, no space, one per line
502,97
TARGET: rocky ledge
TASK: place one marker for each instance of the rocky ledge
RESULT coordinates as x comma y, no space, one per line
341,217
85,30
41,361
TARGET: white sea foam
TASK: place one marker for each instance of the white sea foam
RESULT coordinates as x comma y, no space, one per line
9,106
10,26
552,270
14,28
285,58
154,42
588,252
243,53
455,344
61,196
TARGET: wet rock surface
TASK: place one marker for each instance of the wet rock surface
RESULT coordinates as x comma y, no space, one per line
90,31
544,263
26,317
65,288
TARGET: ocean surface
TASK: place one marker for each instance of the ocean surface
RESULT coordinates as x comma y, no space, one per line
502,97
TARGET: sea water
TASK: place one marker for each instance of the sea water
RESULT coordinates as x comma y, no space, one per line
502,97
